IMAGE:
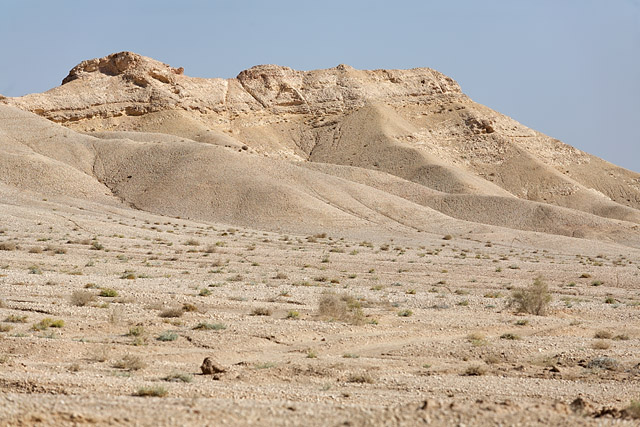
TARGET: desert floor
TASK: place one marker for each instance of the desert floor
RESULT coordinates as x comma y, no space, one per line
309,330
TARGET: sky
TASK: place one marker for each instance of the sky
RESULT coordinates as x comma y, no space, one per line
567,68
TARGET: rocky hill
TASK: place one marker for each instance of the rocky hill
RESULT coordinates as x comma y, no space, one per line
274,144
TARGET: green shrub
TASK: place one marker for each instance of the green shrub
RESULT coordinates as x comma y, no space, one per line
167,336
292,314
47,323
210,326
108,292
136,331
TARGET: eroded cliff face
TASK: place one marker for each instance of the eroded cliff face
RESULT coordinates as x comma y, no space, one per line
414,124
129,84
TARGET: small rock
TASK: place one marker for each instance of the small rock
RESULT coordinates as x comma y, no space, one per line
580,406
209,367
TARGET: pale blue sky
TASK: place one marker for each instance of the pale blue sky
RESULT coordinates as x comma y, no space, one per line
568,68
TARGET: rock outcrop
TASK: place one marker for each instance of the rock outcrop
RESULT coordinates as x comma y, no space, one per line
129,84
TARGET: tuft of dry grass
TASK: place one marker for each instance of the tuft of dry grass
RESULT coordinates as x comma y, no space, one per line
14,318
47,323
477,339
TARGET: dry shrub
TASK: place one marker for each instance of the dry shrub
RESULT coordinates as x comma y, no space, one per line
187,307
261,311
534,299
58,250
100,354
633,410
477,339
82,298
151,391
8,246
171,312
363,378
601,345
130,363
603,335
344,308
475,370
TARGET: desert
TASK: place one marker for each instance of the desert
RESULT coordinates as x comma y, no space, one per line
346,247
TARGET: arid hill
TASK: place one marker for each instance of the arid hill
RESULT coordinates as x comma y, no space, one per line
336,148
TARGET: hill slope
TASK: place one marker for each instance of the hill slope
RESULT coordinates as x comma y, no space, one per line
286,149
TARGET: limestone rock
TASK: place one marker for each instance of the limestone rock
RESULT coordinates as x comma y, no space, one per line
210,367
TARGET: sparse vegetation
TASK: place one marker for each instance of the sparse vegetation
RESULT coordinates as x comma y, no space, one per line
633,410
179,377
343,308
475,370
477,339
8,246
210,326
15,318
97,246
48,323
533,300
601,345
172,312
151,391
362,378
510,336
136,331
130,363
82,298
604,335
167,336
261,311
189,308
108,293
